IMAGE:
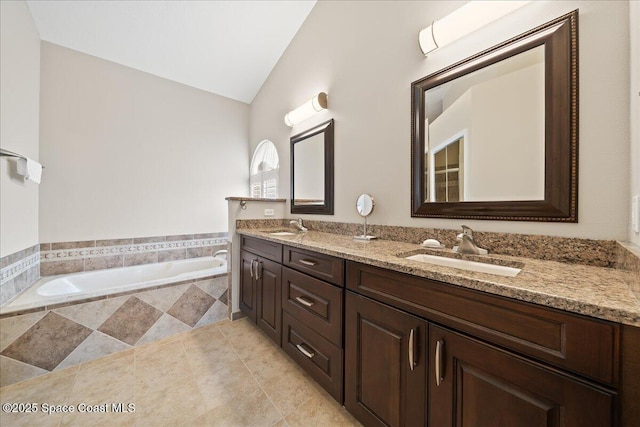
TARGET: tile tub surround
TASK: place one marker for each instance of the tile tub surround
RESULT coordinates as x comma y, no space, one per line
74,257
51,339
202,377
18,271
598,292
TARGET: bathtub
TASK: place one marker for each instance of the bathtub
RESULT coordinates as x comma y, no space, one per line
66,288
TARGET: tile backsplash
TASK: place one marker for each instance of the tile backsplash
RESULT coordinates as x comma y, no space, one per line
18,271
600,253
21,269
73,257
628,258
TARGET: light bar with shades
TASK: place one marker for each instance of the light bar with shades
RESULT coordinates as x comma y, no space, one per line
306,110
463,21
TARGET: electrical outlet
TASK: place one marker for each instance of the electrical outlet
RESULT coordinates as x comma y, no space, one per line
635,214
269,212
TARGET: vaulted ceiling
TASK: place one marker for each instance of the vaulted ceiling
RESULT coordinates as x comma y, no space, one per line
224,47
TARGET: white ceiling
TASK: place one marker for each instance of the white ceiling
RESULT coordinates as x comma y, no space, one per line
224,47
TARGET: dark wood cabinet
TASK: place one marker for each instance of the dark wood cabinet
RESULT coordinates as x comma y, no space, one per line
385,364
300,308
315,303
312,305
269,291
321,359
472,384
261,286
324,267
248,291
568,341
491,369
401,350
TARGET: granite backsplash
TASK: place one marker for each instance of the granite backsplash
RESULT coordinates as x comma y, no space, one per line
599,253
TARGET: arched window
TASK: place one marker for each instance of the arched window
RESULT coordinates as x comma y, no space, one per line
264,170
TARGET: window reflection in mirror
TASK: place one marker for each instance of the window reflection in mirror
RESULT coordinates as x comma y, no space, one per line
447,170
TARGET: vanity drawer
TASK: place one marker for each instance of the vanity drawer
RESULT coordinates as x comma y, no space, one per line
325,267
265,248
322,360
315,303
581,344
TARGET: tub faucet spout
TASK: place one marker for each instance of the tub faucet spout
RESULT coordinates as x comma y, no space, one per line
222,252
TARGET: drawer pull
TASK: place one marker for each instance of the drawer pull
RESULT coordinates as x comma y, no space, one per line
438,367
304,301
304,351
412,362
308,262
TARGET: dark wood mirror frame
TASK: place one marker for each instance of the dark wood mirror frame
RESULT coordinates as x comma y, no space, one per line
560,40
327,207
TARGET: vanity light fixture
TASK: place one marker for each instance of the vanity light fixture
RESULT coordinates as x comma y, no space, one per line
463,21
306,110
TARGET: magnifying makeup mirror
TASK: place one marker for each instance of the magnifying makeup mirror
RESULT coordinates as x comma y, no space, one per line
364,206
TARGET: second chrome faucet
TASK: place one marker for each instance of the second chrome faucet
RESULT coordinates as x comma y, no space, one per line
467,244
298,224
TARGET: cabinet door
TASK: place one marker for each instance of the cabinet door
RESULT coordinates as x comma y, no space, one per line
474,385
248,295
385,364
269,291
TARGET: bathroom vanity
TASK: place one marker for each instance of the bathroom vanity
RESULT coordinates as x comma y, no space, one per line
401,342
297,297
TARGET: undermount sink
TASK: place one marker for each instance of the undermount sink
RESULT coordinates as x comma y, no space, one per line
283,233
463,264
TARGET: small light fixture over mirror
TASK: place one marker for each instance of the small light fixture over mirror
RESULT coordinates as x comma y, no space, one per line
306,110
364,206
463,21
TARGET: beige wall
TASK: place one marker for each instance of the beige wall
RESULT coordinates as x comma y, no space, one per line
19,100
130,154
365,55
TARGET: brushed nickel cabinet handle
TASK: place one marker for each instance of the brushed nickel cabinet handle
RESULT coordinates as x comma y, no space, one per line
304,351
251,268
308,262
438,367
258,265
412,362
304,301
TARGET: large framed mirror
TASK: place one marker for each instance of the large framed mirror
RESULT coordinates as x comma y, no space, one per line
495,136
312,170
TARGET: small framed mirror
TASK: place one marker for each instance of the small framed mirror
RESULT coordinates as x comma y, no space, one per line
312,170
495,136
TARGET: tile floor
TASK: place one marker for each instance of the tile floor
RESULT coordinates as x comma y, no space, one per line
223,374
36,343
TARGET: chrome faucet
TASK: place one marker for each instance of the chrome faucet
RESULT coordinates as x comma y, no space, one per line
467,244
222,252
298,224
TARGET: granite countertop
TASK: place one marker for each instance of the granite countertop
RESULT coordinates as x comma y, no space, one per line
598,292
